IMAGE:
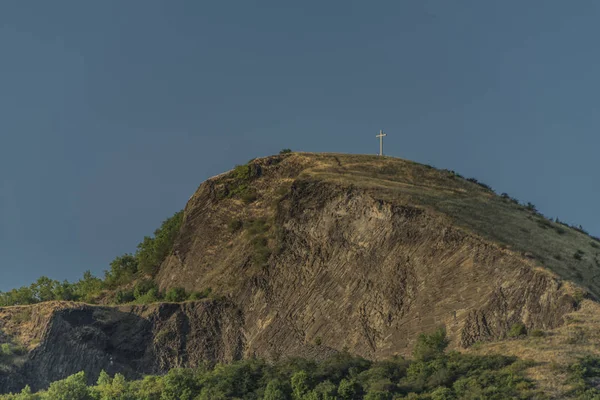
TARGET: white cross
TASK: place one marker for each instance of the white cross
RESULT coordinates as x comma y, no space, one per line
380,136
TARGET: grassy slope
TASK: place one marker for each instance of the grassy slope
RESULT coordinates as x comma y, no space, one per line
556,350
470,206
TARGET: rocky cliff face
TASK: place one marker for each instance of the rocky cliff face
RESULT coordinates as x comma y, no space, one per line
352,270
310,254
132,340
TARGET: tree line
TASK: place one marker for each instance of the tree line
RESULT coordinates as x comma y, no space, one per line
144,264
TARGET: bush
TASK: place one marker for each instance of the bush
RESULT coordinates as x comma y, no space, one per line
151,296
200,295
235,225
285,151
6,349
537,333
430,346
249,196
483,185
124,296
143,287
176,295
578,255
517,329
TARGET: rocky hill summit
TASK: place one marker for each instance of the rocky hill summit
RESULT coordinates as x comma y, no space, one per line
311,254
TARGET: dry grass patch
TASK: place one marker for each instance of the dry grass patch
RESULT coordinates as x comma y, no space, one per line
553,353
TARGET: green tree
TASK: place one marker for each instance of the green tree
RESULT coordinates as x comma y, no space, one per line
88,287
276,390
179,384
149,388
65,291
349,389
43,289
152,251
26,394
378,395
430,346
72,388
21,296
300,384
326,391
122,270
443,393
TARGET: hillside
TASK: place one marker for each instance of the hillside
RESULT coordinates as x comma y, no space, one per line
365,253
312,254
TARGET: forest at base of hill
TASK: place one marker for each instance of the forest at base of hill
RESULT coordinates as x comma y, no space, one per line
432,374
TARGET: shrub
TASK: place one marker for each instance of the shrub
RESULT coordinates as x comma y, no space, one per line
430,346
242,172
575,335
124,296
6,349
578,296
483,185
143,287
285,151
150,296
235,225
249,196
257,226
537,333
517,329
261,253
176,294
578,255
200,295
318,340
530,207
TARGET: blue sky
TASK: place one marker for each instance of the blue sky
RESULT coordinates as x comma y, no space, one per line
113,112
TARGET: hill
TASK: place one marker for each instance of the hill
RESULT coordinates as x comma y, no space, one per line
314,254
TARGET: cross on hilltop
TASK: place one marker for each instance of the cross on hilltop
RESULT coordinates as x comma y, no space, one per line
380,136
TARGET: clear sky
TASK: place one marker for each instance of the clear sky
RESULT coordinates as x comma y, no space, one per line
113,112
